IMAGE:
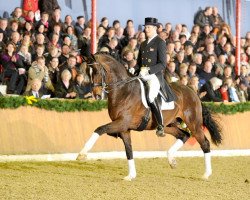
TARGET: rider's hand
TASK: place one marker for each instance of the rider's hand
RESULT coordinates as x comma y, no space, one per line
144,71
131,70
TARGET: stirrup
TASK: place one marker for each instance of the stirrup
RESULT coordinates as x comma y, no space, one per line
160,131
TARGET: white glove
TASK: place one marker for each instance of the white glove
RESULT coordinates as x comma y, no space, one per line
144,71
131,70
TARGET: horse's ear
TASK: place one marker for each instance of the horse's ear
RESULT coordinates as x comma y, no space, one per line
93,57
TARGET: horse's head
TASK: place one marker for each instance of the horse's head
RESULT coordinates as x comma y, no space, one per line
105,72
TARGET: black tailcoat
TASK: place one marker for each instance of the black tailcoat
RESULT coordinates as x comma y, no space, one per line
153,55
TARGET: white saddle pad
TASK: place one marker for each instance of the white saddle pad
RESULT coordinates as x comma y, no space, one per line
164,106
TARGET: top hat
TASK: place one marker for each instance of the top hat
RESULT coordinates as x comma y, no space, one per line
151,21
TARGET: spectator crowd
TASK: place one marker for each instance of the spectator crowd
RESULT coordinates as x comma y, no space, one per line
44,55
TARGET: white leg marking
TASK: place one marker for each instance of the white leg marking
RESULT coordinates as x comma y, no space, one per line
208,166
88,145
173,149
131,171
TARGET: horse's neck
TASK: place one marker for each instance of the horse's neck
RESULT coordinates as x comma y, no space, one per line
119,94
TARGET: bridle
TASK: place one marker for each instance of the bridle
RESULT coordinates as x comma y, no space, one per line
106,88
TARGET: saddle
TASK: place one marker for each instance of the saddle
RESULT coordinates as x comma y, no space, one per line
145,100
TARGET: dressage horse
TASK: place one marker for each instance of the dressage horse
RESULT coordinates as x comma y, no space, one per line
127,111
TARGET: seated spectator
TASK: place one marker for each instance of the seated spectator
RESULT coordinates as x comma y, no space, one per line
25,56
55,19
228,73
170,74
104,23
183,80
215,18
83,87
209,51
224,93
53,52
225,30
132,46
197,59
28,29
68,21
71,34
3,28
189,52
242,91
14,27
2,43
233,97
11,63
80,26
64,54
110,33
194,83
183,69
30,17
16,40
39,52
206,74
65,87
130,34
70,66
129,61
179,59
54,72
219,47
141,38
129,24
211,88
57,29
35,89
43,21
111,49
202,18
192,70
178,47
17,15
48,5
171,51
38,70
220,65
54,42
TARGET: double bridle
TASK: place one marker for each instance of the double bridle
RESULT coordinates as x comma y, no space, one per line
111,86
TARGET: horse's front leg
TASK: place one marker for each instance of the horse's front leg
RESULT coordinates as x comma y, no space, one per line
126,138
113,127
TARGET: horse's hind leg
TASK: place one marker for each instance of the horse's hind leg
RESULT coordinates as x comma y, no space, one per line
113,127
181,137
199,135
126,138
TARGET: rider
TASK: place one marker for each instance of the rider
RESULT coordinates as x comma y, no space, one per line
151,65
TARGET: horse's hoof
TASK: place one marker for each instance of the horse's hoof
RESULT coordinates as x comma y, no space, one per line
173,163
160,131
81,157
206,176
128,178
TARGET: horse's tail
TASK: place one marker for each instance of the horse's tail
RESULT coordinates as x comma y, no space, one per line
212,125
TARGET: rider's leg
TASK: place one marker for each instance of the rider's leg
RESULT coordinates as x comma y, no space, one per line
154,88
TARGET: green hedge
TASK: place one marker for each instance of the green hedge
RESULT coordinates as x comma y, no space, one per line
63,105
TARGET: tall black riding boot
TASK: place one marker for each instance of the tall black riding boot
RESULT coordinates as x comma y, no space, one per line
158,116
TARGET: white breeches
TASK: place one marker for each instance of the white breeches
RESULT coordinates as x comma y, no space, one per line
154,86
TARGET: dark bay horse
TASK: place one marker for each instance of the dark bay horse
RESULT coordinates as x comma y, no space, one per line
126,111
